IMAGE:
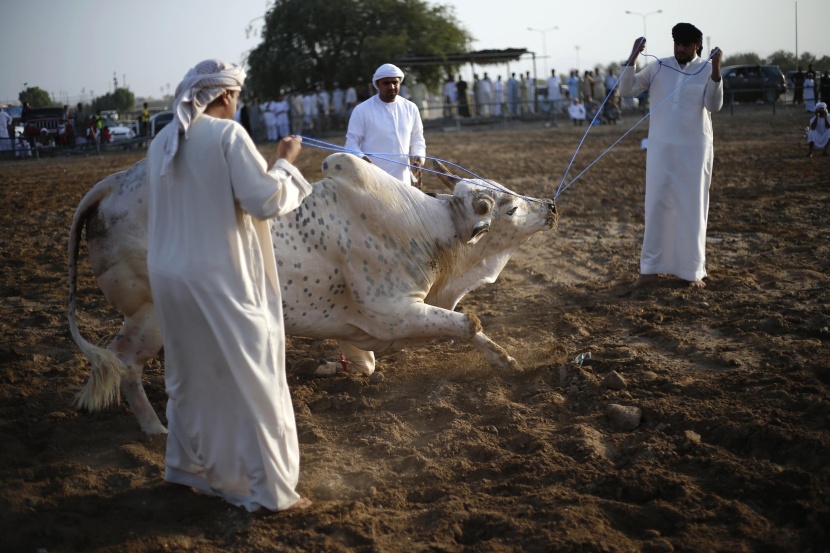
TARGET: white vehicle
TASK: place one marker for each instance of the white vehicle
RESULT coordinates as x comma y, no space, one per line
120,133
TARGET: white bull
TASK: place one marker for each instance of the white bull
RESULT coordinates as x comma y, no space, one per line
363,260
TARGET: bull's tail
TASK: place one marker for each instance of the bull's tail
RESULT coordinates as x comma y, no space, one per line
104,385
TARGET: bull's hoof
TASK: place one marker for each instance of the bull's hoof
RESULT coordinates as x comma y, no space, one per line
307,367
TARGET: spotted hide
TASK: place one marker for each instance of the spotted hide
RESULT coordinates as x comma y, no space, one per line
364,260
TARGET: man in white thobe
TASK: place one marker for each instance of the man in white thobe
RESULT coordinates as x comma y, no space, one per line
269,113
555,90
214,282
5,122
282,110
684,91
388,125
498,96
338,104
818,130
450,96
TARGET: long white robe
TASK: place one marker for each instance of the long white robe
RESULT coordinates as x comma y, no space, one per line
393,128
678,164
214,280
809,95
821,134
5,121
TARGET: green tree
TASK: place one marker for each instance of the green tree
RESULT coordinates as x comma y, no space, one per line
121,100
784,60
748,58
36,96
305,42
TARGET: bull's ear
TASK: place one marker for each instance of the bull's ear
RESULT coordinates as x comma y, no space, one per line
448,179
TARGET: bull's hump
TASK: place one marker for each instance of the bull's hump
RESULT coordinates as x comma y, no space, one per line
350,171
343,167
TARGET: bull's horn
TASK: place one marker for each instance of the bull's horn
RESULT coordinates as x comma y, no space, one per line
478,232
448,179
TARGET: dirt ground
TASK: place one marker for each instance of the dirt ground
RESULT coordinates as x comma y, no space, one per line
444,453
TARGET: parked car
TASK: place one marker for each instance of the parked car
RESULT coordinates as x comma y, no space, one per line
158,121
119,133
44,122
751,83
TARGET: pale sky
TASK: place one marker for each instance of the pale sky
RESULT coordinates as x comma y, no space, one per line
75,47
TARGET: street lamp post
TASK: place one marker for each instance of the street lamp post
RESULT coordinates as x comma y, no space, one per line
577,58
644,16
544,33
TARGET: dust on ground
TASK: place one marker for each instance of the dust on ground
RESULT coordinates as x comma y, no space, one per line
446,453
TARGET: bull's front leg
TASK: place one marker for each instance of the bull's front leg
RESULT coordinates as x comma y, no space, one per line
423,321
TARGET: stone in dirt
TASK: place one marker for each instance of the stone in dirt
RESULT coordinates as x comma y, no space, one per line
623,417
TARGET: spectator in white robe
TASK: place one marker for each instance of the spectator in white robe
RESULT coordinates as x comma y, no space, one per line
555,90
531,92
310,112
611,84
818,130
450,96
810,92
338,99
351,99
297,113
388,124
486,94
576,111
269,113
419,97
513,94
282,110
338,105
214,282
5,123
680,154
498,96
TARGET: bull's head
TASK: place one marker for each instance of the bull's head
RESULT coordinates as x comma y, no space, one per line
482,205
485,202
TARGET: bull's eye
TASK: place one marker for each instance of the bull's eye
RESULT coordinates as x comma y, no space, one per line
512,211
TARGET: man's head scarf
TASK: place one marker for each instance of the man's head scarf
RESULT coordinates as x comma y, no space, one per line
386,71
821,105
686,33
201,85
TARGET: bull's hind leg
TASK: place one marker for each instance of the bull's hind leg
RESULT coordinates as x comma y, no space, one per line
357,360
138,342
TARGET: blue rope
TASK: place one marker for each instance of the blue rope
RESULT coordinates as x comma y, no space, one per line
314,143
562,188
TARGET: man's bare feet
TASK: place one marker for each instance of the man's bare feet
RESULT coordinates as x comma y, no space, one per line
302,503
644,280
697,284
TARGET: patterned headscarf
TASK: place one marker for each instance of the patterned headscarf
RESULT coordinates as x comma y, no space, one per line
200,86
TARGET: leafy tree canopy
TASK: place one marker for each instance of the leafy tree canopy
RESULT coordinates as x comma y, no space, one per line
120,100
36,96
310,42
784,60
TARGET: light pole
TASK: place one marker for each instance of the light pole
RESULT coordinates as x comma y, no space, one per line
644,15
544,33
577,58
